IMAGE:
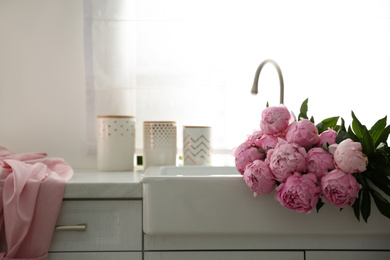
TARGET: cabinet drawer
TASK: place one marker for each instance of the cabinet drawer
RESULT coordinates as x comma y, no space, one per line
98,226
225,255
343,255
96,256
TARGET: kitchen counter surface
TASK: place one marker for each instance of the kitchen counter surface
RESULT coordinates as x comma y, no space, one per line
93,184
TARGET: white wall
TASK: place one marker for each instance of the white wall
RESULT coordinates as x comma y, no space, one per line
42,90
42,85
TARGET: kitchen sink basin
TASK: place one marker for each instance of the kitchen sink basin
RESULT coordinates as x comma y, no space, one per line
216,200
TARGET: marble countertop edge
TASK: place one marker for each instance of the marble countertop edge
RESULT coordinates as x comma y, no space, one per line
94,184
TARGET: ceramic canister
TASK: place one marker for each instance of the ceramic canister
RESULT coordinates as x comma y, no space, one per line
159,143
115,143
197,145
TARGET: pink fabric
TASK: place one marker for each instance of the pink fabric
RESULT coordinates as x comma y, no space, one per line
31,191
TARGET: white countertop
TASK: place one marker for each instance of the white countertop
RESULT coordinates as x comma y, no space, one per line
92,184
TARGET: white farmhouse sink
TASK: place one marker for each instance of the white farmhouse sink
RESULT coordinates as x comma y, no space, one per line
216,200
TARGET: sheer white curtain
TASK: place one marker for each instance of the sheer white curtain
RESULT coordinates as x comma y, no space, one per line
194,61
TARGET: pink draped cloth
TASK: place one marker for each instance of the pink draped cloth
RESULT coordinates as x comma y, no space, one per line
31,192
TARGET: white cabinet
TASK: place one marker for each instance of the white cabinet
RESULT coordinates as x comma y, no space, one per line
98,229
226,255
313,247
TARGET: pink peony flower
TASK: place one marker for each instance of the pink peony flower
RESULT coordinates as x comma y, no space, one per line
259,178
256,135
286,159
339,188
328,136
299,193
245,154
275,120
319,161
304,133
349,157
267,142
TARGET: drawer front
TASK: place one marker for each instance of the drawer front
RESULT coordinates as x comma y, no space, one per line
96,256
232,255
343,255
98,226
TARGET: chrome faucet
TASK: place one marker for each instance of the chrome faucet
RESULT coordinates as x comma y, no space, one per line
256,81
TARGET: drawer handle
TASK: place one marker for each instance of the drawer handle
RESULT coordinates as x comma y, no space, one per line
81,227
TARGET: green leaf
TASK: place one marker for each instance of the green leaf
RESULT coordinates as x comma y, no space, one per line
381,169
381,155
319,205
341,136
383,146
330,122
267,105
367,142
378,128
303,111
383,136
357,126
356,205
381,203
312,119
381,180
342,126
320,127
366,205
352,135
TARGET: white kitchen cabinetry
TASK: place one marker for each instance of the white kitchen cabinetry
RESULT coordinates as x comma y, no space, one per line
98,229
110,207
312,247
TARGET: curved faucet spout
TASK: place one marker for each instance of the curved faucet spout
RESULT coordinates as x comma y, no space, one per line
254,90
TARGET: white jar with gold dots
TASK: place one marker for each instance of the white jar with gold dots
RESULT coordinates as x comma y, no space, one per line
115,143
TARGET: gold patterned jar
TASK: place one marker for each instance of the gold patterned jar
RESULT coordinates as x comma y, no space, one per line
159,143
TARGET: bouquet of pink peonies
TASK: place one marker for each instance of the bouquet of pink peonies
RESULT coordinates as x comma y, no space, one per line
310,165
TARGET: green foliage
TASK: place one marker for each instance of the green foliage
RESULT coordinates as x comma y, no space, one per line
319,205
357,127
366,204
377,129
376,176
303,111
383,135
330,122
367,142
356,206
341,136
375,180
381,203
